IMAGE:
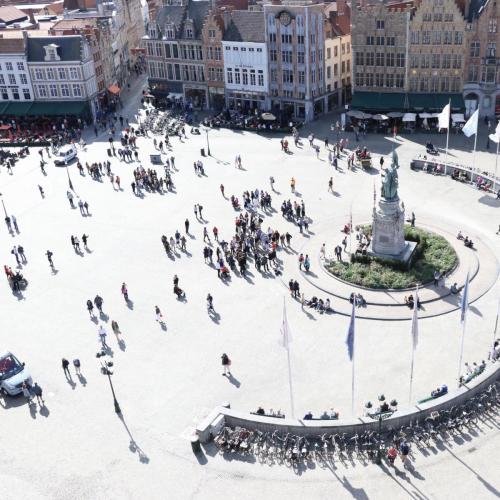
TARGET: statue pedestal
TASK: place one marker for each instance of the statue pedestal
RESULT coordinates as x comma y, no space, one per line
388,239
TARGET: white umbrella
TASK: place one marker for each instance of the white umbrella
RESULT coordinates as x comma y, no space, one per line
457,118
394,114
380,117
425,115
355,113
409,117
268,116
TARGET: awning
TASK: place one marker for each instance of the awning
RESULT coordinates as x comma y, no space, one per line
395,114
425,115
18,108
435,102
378,101
409,117
57,108
457,118
3,107
355,113
114,89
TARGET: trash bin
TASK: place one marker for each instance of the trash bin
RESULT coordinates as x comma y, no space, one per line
202,151
195,444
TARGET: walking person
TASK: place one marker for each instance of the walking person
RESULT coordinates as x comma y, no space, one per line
40,188
159,316
14,223
330,185
85,238
65,367
49,255
210,303
125,292
98,302
186,225
76,364
222,190
102,337
226,363
90,307
271,181
292,184
70,198
9,225
38,392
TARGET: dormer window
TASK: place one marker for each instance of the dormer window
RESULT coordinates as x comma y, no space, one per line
169,31
188,30
51,52
152,31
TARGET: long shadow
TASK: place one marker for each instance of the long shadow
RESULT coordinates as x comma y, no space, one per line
214,316
133,446
233,380
130,304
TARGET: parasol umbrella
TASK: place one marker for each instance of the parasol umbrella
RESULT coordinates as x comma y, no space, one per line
268,116
380,117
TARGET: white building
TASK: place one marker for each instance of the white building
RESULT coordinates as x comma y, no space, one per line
62,70
15,81
245,61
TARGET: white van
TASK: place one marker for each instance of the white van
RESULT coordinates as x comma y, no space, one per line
65,155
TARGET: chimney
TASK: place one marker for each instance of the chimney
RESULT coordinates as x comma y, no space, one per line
226,15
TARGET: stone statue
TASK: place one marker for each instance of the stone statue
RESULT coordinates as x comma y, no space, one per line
390,183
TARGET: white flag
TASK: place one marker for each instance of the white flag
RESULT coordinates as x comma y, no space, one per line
444,117
414,321
470,128
286,336
496,136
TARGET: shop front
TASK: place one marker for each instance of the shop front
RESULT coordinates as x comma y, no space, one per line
196,96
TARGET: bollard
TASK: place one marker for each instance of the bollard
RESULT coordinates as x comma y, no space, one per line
195,444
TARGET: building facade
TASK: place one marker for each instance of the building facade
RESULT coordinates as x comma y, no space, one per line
62,70
436,47
15,80
174,52
482,66
295,43
245,61
211,39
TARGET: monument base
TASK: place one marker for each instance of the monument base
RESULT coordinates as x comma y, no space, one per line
404,256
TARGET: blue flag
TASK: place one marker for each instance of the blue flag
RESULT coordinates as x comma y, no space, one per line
464,305
350,333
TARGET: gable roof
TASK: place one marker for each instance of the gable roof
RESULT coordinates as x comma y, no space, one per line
475,9
245,26
194,11
12,45
9,14
70,47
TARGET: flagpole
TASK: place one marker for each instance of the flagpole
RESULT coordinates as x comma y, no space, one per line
496,165
413,333
461,349
447,137
463,316
474,152
350,235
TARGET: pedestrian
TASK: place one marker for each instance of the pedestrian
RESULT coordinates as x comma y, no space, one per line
301,261
159,316
216,233
412,220
326,143
437,277
205,235
330,185
322,252
86,206
20,251
49,255
65,367
76,364
125,291
77,245
292,184
40,188
226,363
14,222
85,238
210,303
271,181
186,225
307,263
98,302
70,198
38,392
200,209
80,206
344,243
381,161
102,336
9,225
90,307
196,210
15,253
26,391
222,190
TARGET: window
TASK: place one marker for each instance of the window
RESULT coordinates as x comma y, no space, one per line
455,83
492,26
343,66
210,53
490,74
438,16
170,32
313,76
300,39
379,60
426,37
228,48
211,33
245,76
26,94
370,59
400,60
65,90
152,31
50,74
448,36
220,74
273,55
413,61
436,38
300,57
189,32
380,40
445,84
348,66
379,80
369,80
348,46
472,73
158,51
229,75
389,80
260,77
288,76
360,58
77,90
335,69
313,56
73,73
149,49
218,53
370,40
286,38
436,60
434,84
446,61
400,81
286,56
359,79
2,80
272,37
259,50
424,85
53,90
424,60
39,74
427,17
458,38
328,53
474,48
380,24
5,94
237,76
413,84
42,90
328,72
389,59
243,49
12,79
448,18
457,61
252,77
8,66
15,94
313,39
415,37
20,66
491,52
391,41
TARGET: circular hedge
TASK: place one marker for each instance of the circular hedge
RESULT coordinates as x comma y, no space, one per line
432,252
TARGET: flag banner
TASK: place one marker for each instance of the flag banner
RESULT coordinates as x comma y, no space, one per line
496,136
286,337
350,333
444,117
414,321
464,305
470,128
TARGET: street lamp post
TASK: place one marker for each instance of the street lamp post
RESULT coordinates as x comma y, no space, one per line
379,448
208,144
3,205
69,178
108,372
